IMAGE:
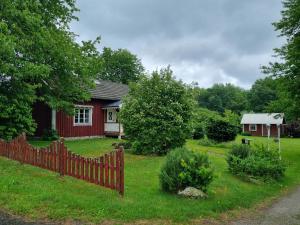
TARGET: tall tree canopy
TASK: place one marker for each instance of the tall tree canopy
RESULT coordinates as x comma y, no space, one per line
262,93
289,54
220,97
40,60
120,66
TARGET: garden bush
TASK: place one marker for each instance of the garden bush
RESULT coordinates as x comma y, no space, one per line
221,130
184,168
50,135
198,132
255,162
246,134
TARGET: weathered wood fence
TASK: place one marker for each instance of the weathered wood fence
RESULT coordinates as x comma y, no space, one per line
107,170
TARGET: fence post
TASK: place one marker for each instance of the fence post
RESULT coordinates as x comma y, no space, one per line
61,148
121,191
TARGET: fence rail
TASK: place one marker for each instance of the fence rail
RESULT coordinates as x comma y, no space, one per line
106,170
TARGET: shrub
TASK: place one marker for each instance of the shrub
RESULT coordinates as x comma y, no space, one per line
207,142
184,168
125,145
255,162
198,132
246,134
156,113
50,135
220,130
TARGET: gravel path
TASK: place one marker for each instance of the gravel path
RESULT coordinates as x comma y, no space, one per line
286,211
6,219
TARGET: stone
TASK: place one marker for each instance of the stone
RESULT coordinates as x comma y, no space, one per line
191,192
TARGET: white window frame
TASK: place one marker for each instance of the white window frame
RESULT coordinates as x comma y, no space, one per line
90,108
255,125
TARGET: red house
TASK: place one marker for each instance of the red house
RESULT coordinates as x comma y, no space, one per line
96,118
264,124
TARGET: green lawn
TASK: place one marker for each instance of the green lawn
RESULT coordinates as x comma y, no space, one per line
38,193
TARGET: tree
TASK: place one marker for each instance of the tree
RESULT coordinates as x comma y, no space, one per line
262,93
156,113
120,66
220,97
40,60
289,54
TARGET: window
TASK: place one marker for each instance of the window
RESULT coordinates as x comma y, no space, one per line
83,115
252,127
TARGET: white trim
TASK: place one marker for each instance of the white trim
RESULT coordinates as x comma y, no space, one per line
243,128
84,106
90,108
252,129
53,119
262,130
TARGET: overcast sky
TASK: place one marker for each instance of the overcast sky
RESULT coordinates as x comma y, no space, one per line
208,41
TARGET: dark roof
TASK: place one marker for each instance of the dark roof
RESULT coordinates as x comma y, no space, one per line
113,104
109,90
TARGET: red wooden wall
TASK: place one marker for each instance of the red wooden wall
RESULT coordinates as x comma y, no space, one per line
65,124
258,132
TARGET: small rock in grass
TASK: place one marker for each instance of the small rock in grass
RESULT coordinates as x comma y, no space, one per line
191,192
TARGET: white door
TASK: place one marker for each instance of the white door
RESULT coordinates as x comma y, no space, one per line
111,116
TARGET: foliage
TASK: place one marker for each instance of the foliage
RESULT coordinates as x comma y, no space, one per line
38,57
220,97
234,119
255,162
156,113
246,134
198,132
184,168
262,93
221,130
120,66
200,117
288,67
50,135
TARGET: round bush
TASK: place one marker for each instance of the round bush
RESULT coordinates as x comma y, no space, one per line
184,168
198,132
220,130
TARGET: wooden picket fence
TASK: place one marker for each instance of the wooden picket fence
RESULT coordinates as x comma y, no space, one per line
107,170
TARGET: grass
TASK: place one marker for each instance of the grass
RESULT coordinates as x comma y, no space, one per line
38,193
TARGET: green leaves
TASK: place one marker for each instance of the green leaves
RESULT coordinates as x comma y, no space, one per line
120,66
40,60
156,113
184,168
288,66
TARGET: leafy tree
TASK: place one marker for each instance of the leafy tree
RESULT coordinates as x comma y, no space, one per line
156,113
120,66
220,97
233,118
289,54
262,93
40,60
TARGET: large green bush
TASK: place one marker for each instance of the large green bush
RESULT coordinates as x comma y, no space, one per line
255,162
220,130
198,132
156,114
184,168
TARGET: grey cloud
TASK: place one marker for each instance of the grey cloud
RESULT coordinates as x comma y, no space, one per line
207,41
